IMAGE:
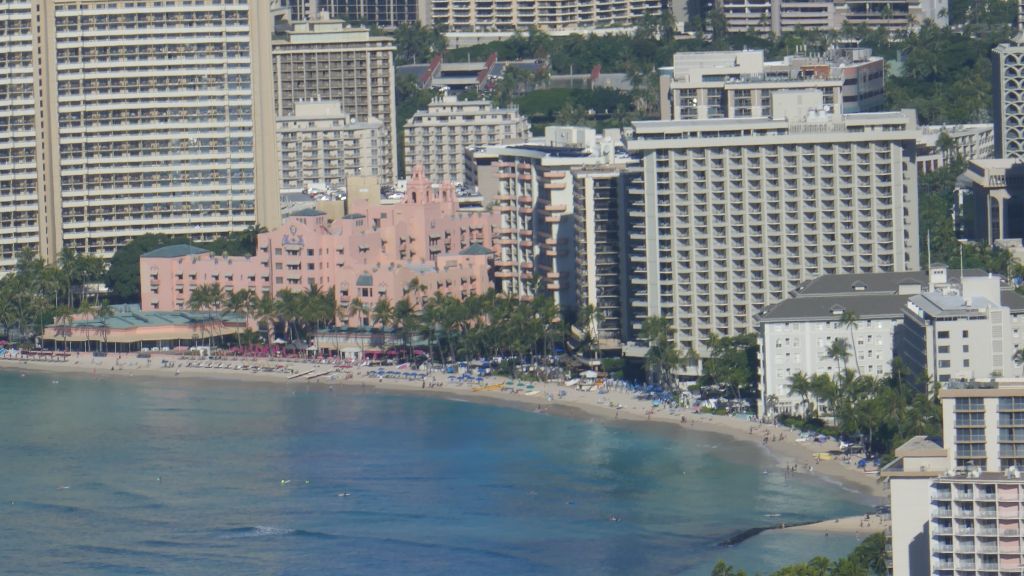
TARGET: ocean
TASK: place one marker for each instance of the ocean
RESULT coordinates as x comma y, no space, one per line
163,476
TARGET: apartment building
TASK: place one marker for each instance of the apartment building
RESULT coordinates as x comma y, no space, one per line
600,221
957,504
939,145
148,117
545,15
380,13
25,209
535,242
321,145
966,333
732,214
438,137
330,60
371,253
739,83
863,310
778,16
992,190
1008,94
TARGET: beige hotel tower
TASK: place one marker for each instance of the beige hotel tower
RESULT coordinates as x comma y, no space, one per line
123,118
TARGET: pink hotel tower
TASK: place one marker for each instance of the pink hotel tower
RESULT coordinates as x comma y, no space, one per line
371,253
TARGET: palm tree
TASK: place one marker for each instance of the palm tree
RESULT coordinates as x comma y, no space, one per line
849,319
62,316
265,312
404,319
383,314
662,356
357,309
587,322
839,351
103,312
800,385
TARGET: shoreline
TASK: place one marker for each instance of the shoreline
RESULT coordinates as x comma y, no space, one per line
781,442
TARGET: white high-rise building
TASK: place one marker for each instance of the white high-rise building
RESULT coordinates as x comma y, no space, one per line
535,242
438,137
23,210
740,83
324,59
731,214
778,16
1008,93
545,15
320,145
134,118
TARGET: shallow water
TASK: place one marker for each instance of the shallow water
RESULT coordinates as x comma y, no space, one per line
174,477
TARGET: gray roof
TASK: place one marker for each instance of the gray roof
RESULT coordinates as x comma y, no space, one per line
474,250
174,251
364,280
1012,300
307,212
878,283
865,306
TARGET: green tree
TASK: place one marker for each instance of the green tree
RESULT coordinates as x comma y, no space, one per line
731,362
662,356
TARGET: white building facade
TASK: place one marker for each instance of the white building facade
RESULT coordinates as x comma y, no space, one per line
731,215
438,137
146,117
325,59
957,507
321,145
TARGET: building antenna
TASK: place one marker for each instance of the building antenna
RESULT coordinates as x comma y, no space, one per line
961,264
928,244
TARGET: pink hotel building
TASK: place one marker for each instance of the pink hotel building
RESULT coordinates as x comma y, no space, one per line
372,253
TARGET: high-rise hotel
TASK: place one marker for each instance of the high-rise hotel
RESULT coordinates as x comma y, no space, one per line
123,118
732,214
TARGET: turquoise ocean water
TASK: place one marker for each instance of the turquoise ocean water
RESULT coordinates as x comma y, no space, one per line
147,476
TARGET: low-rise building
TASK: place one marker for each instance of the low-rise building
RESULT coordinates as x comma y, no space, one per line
863,310
970,330
739,83
778,16
373,252
320,145
438,137
940,145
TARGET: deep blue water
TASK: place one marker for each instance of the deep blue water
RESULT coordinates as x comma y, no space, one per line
125,476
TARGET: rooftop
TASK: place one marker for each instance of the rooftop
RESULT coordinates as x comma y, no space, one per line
865,306
175,251
307,212
474,250
873,283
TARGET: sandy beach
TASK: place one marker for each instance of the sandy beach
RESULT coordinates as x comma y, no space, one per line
798,457
858,525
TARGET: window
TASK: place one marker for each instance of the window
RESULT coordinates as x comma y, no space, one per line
944,334
967,363
967,348
943,349
966,334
